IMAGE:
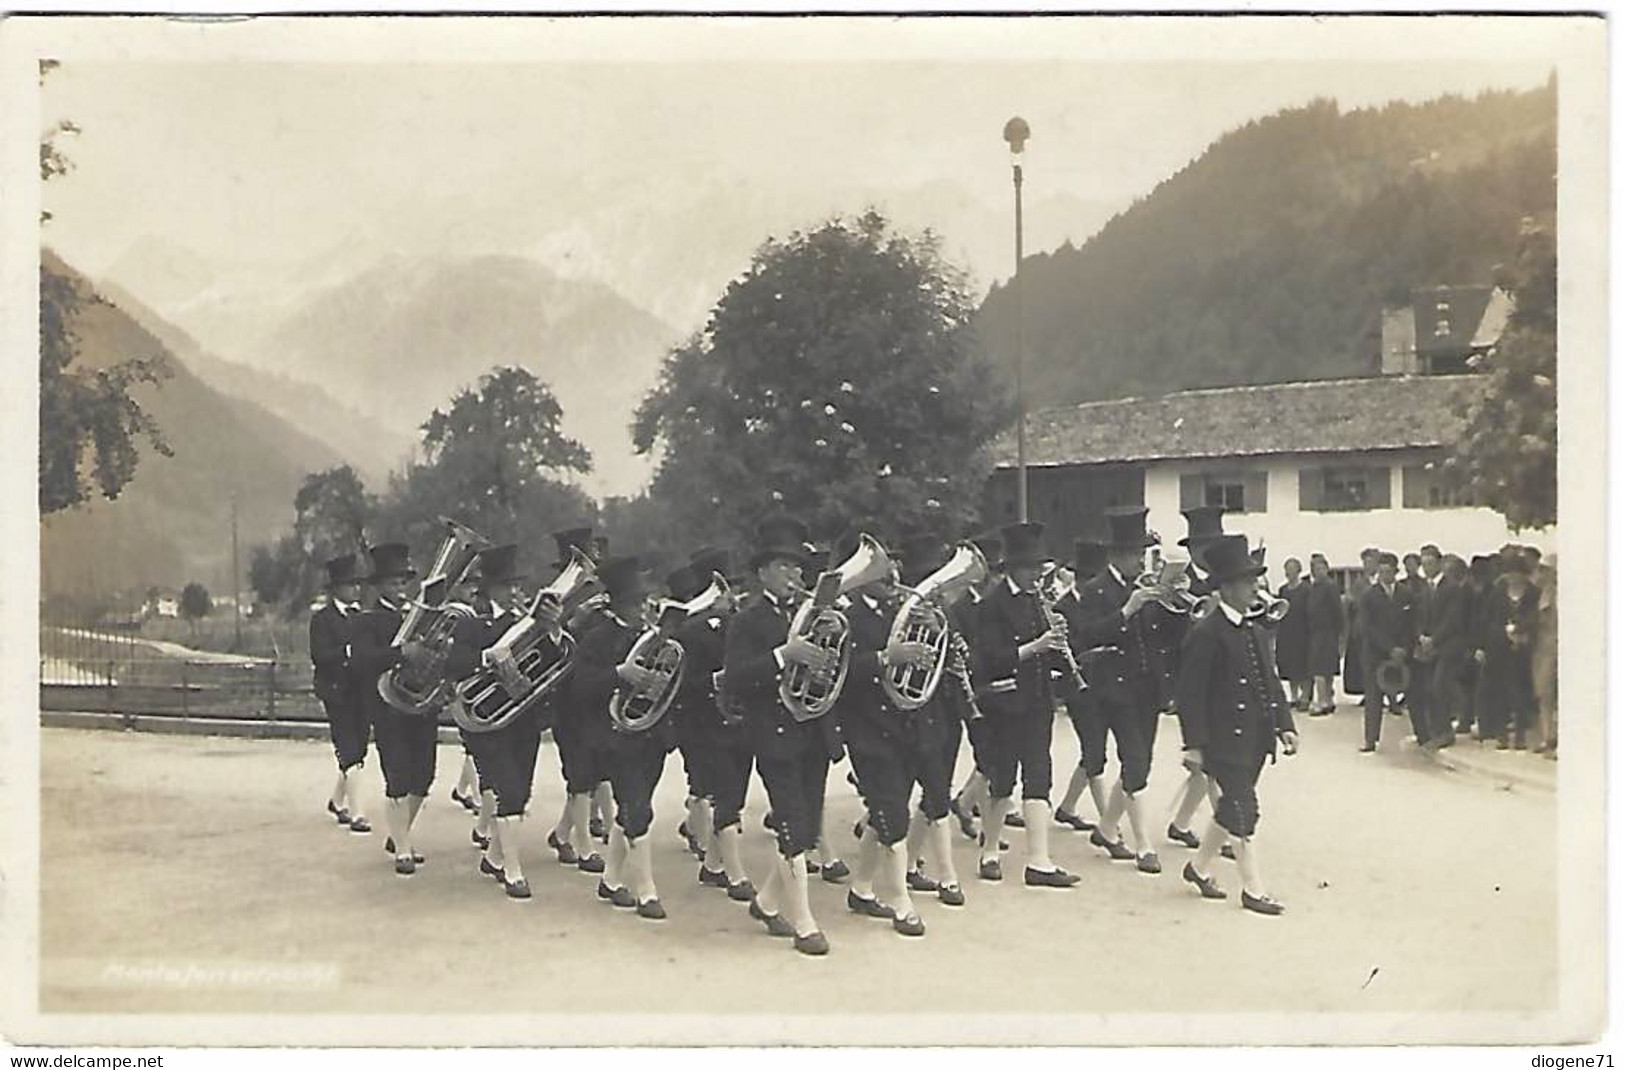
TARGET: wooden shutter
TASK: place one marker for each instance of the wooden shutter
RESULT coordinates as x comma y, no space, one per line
1413,490
1379,487
1256,492
1310,487
1192,491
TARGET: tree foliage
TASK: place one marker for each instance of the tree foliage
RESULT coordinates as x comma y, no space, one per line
333,514
839,377
195,602
1507,459
91,425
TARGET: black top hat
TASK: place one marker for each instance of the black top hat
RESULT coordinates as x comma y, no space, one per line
1088,557
499,564
709,559
684,583
572,539
990,544
390,560
1023,544
1202,522
620,575
341,571
780,536
923,553
1227,559
1125,528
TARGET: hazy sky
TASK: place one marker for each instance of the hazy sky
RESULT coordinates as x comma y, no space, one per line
260,162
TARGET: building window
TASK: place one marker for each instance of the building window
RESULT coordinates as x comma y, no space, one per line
1343,488
1236,492
1425,487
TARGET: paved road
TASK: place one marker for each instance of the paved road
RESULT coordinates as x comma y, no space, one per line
1410,889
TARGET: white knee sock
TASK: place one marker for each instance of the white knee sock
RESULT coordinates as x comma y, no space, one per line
1252,880
798,905
338,798
768,893
993,811
400,826
580,812
1212,840
1097,792
1113,814
1074,789
894,866
615,864
352,791
918,832
1035,814
1136,823
1191,794
942,851
487,813
505,841
727,841
863,876
641,870
414,803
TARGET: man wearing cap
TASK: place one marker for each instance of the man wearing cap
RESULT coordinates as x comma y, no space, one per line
571,837
1165,636
972,799
1123,677
1384,636
792,756
1232,711
1088,562
1504,645
1017,646
406,742
722,754
505,757
330,647
632,760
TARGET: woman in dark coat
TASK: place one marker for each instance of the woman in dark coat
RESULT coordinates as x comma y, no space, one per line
1292,639
1323,618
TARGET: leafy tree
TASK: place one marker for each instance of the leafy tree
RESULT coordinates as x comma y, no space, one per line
195,604
1507,458
840,377
334,514
90,423
272,570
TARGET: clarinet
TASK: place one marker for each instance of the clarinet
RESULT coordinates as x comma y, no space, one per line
959,668
1056,622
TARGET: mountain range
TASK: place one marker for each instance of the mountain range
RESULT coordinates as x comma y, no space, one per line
1271,256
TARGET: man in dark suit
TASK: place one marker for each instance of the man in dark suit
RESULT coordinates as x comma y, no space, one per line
1422,572
1451,639
330,629
792,756
632,760
1324,621
1088,561
1165,635
571,837
1123,678
971,799
1384,636
1231,712
1508,620
1017,646
406,741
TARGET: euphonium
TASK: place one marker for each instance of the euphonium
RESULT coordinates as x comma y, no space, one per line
920,619
527,662
808,695
656,652
419,686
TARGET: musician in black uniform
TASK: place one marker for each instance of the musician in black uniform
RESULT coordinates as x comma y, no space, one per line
406,742
468,792
632,759
792,756
971,800
1017,644
879,740
1204,524
571,837
506,756
934,733
721,748
1232,711
1123,678
1088,561
330,629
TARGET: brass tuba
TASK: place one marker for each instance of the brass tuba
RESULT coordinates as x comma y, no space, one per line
420,686
655,651
808,695
527,663
920,619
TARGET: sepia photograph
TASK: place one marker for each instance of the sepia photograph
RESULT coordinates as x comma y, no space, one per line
731,530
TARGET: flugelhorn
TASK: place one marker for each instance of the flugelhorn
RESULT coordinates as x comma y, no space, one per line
1267,608
419,686
528,662
807,694
921,619
661,656
1175,597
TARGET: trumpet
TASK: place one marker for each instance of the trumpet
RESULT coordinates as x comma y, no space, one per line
661,656
1175,597
808,694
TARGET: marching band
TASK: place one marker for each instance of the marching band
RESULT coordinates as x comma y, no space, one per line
890,656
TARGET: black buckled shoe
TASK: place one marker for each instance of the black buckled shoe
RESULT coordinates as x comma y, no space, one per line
482,842
340,815
623,898
713,878
567,854
389,848
951,895
742,892
1262,905
405,867
359,824
814,943
908,925
1118,851
967,825
835,872
1049,878
487,869
988,869
919,882
1015,820
604,891
1227,852
1072,821
867,905
1206,885
593,863
1148,863
519,889
595,829
776,925
651,909
463,800
1184,836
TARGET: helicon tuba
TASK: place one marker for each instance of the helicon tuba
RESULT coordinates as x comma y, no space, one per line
527,663
808,695
920,619
641,708
419,686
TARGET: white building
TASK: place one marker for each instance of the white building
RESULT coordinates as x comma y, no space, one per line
1330,466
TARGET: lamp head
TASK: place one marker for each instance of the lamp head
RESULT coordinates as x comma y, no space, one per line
1016,132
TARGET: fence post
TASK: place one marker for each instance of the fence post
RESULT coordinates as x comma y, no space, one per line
271,699
186,691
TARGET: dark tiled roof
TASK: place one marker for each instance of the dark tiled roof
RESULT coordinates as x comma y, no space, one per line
1323,416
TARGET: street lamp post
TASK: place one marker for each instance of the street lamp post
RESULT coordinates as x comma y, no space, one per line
1016,133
